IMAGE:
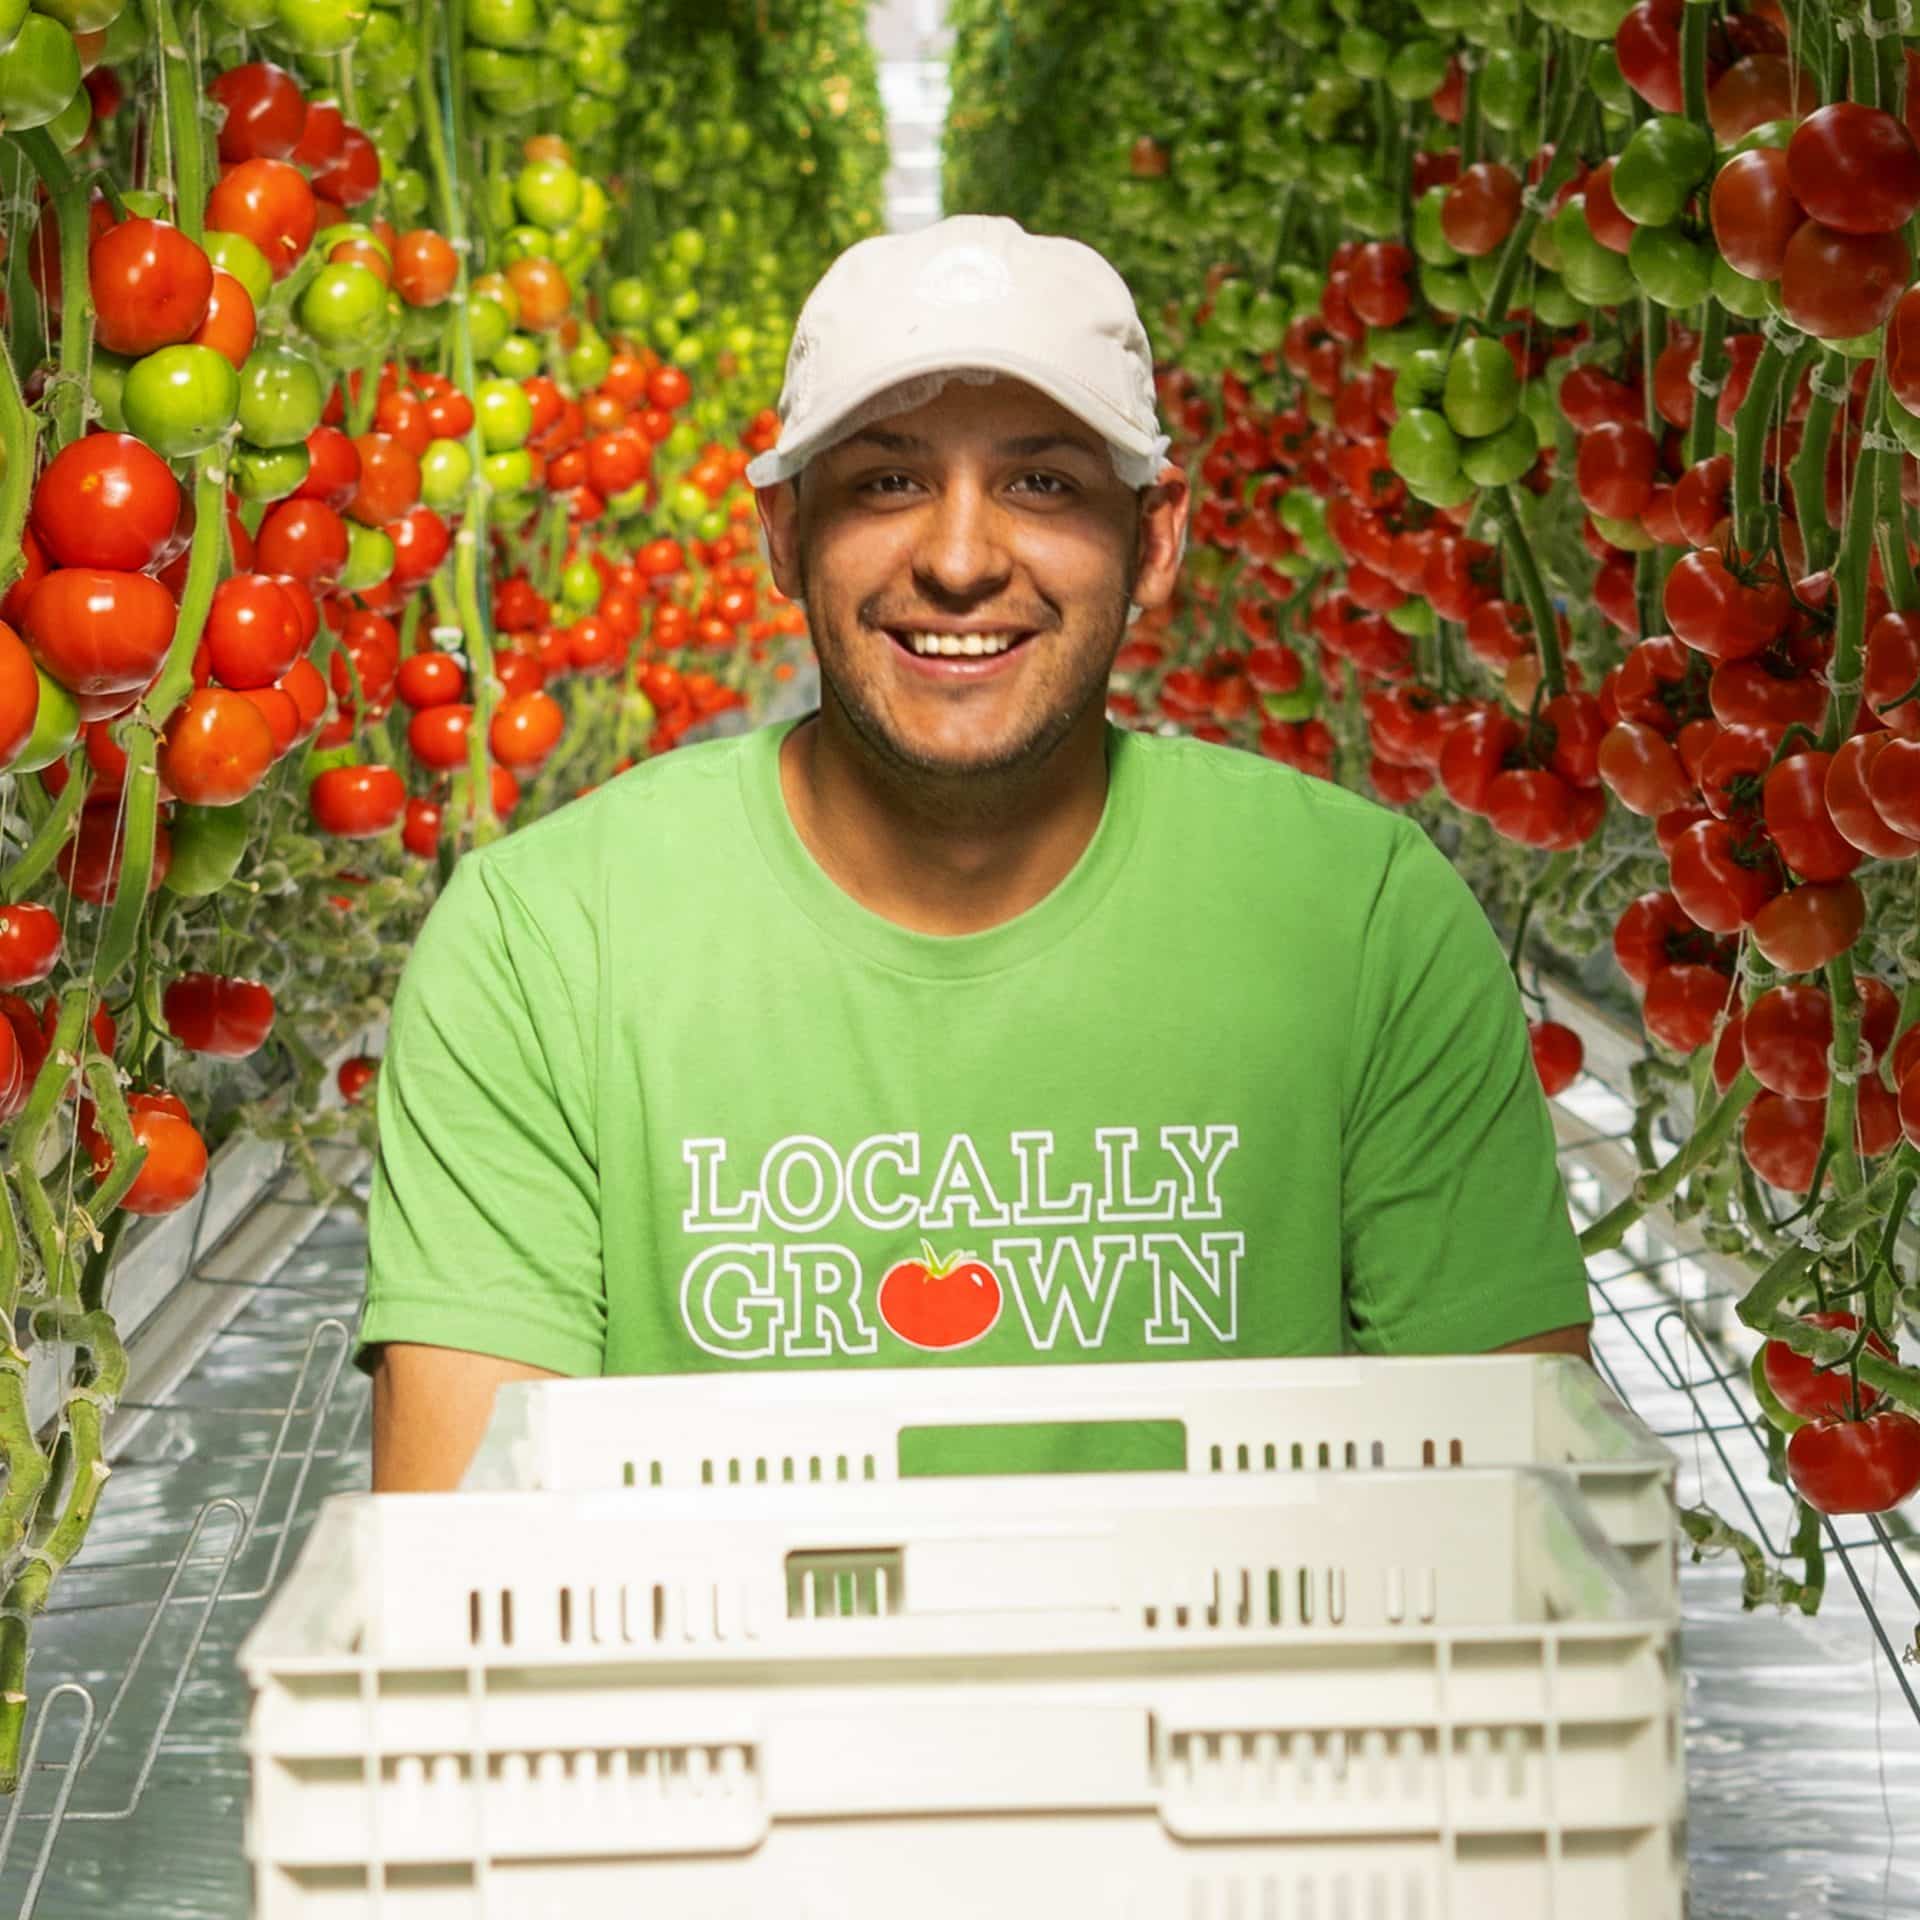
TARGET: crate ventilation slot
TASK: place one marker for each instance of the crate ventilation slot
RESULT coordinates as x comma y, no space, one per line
1260,1597
610,1614
1294,1764
1329,1894
848,1584
1270,1456
760,1469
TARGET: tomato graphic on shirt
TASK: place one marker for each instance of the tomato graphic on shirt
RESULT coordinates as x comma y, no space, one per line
938,1304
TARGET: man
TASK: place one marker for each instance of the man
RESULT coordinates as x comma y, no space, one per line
952,1025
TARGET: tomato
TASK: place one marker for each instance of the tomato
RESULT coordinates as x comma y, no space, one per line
355,1076
210,1013
1794,803
1856,1466
281,399
150,286
20,699
430,679
341,303
208,845
181,400
526,729
90,862
253,634
1683,1002
1855,168
1785,1035
106,501
1642,770
303,538
438,735
351,176
357,803
1813,1393
1804,929
176,1164
1718,613
1836,285
30,942
425,268
1893,672
265,111
389,480
1615,470
98,630
1755,213
270,203
1721,877
543,291
1850,800
1893,785
420,542
217,748
1557,1055
230,323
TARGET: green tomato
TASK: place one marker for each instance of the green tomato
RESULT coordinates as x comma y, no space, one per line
580,584
599,67
370,558
595,208
1905,425
341,303
524,243
1629,535
1414,616
682,441
1504,456
127,38
488,322
1370,207
180,400
38,74
1672,269
446,471
81,16
1445,292
263,474
107,383
1769,133
585,119
1666,159
1510,89
1593,274
1364,53
208,845
144,204
56,727
70,125
1608,85
1482,271
519,357
504,23
1429,237
250,16
508,473
688,245
629,303
1553,305
1424,450
281,398
1482,392
234,253
504,414
1416,70
319,27
587,364
318,760
684,501
406,189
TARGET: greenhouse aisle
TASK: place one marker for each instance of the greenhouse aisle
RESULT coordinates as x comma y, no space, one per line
1804,1758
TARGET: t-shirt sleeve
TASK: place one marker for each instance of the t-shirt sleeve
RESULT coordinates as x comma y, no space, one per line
483,1228
1456,1237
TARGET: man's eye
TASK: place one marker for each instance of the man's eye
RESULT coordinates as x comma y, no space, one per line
1047,483
883,483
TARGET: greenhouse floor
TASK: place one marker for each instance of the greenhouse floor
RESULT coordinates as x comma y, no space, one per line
1803,1740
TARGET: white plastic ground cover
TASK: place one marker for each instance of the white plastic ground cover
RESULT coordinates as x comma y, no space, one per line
1238,1416
1380,1696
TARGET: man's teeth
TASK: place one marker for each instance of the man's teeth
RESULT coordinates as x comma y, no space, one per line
955,645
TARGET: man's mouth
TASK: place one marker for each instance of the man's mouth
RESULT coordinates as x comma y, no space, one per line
956,646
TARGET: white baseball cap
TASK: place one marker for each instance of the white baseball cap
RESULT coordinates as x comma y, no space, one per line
974,297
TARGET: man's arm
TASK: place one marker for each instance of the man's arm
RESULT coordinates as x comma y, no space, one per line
1571,1340
430,1407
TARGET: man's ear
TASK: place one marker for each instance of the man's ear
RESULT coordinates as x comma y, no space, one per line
779,509
1164,508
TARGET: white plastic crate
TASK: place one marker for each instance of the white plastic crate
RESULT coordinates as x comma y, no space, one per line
1390,1696
1238,1416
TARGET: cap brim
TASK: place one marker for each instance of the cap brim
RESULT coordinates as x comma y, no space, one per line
783,461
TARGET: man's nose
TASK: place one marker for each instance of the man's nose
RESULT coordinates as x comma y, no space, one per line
962,554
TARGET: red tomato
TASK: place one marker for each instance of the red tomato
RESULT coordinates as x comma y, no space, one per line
438,735
1785,1035
1557,1055
1683,1002
1721,615
1856,1466
210,1013
430,679
333,469
176,1162
1854,168
352,175
357,803
1480,208
526,729
150,286
1804,1389
420,833
253,633
1642,771
1721,877
230,323
389,480
98,631
217,748
105,500
1834,285
265,111
425,269
420,542
1615,470
1893,672
1755,213
270,203
1807,927
303,685
90,862
304,538
29,943
1794,802
355,1076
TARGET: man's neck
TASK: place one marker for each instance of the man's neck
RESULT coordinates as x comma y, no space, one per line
941,862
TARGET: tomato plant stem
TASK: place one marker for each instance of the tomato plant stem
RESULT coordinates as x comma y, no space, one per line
1505,508
69,199
1711,368
1567,111
1842,1100
187,159
18,431
1808,472
1850,586
1750,426
51,834
1896,563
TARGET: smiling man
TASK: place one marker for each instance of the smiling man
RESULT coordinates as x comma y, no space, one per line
952,1025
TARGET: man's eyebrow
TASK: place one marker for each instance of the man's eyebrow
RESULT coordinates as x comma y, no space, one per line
1023,448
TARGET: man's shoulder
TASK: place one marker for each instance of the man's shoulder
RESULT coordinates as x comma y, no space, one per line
1266,798
678,800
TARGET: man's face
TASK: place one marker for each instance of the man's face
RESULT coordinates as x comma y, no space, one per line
989,520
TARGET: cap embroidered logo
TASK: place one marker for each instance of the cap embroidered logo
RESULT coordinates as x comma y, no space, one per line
963,277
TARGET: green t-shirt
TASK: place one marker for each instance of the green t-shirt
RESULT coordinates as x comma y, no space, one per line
1253,1080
